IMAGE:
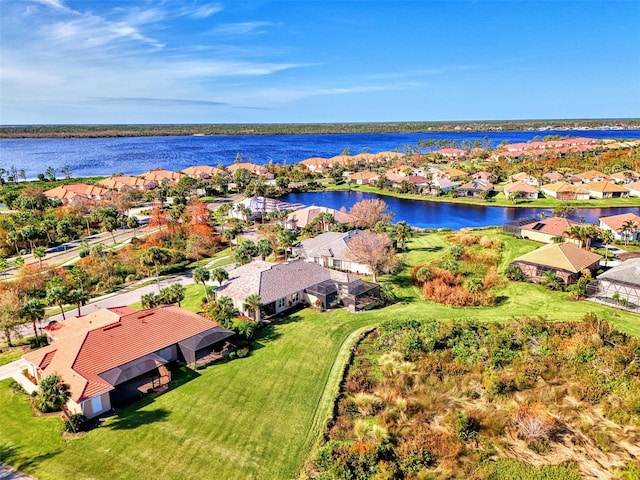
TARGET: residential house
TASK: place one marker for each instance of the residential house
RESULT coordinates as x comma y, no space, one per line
317,164
605,189
548,229
124,182
619,286
304,216
625,177
364,177
475,189
203,172
592,176
521,189
565,260
552,177
115,358
331,249
162,177
69,193
260,206
485,176
455,153
633,189
441,186
454,173
524,177
564,191
614,223
252,168
284,286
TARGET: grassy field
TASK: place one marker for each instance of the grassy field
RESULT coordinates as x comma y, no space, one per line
255,417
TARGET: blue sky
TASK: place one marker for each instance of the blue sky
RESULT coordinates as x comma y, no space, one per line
109,61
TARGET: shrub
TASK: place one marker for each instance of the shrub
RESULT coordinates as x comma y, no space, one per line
515,273
467,428
533,424
16,388
76,423
242,352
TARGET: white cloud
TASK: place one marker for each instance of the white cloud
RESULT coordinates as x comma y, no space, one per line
243,28
204,11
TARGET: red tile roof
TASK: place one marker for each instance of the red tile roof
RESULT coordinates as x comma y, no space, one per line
615,222
79,359
555,226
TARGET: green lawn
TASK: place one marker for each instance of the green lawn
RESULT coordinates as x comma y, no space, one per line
10,356
255,417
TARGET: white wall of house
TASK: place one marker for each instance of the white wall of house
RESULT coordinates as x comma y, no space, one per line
91,407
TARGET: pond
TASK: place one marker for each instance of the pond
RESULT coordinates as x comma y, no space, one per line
438,214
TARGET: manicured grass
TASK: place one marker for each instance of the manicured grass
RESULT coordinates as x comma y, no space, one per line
256,417
10,356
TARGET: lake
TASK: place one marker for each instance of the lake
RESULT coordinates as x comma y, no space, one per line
88,157
430,214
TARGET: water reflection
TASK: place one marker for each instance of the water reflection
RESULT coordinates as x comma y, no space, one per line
426,214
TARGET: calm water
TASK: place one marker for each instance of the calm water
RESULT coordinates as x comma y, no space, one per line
425,214
104,156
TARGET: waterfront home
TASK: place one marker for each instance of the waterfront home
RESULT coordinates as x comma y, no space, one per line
475,189
565,260
252,168
284,286
618,226
115,358
317,164
331,249
520,189
564,191
301,218
203,172
605,189
619,286
455,153
69,193
256,207
547,230
441,186
124,182
162,177
633,189
364,177
485,176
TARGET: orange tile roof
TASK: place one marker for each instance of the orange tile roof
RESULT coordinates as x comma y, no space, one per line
80,359
75,325
560,187
251,167
454,172
75,190
565,256
615,222
201,171
365,175
635,186
306,215
122,181
520,187
316,162
555,226
605,187
591,174
159,175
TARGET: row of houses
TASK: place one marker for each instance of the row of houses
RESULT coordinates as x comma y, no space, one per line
549,230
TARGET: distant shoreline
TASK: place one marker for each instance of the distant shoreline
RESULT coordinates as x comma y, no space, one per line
454,127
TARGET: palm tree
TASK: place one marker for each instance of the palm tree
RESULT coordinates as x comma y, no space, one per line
246,328
264,248
58,295
252,303
201,275
607,237
53,394
79,297
325,219
403,233
133,223
156,256
33,311
39,253
575,232
626,230
219,275
287,239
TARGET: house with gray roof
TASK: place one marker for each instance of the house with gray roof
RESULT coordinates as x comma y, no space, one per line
331,249
283,286
619,286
